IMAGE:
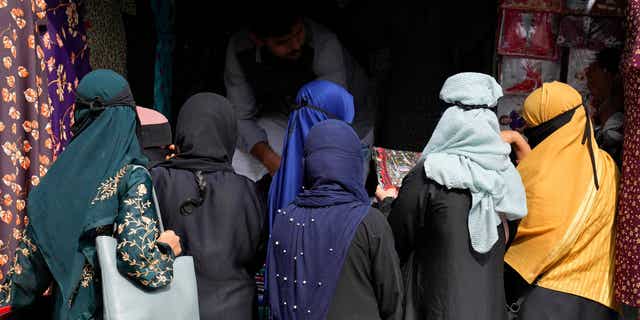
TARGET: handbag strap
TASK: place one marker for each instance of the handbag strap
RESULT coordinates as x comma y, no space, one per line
155,197
513,309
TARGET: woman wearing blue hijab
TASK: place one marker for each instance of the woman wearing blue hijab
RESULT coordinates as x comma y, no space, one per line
316,101
331,255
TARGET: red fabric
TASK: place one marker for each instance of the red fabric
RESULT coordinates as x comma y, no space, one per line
528,34
627,278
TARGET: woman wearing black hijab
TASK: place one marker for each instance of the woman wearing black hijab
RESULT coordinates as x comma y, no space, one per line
215,211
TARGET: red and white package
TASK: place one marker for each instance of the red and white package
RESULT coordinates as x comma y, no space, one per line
393,165
535,5
522,76
528,34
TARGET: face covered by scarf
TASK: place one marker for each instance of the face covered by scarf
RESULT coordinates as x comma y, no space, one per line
311,237
154,134
467,152
317,101
68,202
567,203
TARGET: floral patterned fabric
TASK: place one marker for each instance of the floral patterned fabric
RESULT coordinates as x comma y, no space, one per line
627,283
26,134
144,260
67,59
106,34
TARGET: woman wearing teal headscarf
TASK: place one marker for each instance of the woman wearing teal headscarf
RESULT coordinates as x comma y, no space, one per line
98,186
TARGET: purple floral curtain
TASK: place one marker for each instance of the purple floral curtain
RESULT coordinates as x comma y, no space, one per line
67,58
26,134
43,56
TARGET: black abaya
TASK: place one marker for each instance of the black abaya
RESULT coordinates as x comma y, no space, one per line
226,233
445,278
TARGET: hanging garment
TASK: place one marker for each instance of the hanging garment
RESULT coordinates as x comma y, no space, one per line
628,221
25,123
164,11
65,50
106,35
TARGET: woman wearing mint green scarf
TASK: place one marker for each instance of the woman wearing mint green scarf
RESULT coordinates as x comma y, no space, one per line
448,218
98,186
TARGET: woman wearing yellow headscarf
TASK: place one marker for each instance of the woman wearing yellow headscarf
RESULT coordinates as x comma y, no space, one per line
564,247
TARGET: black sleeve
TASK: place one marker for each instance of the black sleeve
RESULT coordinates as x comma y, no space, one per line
260,209
385,206
404,218
387,277
513,230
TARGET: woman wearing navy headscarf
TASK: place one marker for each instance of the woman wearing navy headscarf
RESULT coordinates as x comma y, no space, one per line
331,255
316,101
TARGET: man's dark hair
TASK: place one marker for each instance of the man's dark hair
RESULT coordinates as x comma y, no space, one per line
274,19
609,59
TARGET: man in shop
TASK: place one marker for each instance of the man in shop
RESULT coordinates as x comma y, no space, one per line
607,98
266,65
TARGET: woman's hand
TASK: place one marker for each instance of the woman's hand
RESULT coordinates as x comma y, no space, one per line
382,193
171,239
518,143
510,136
172,152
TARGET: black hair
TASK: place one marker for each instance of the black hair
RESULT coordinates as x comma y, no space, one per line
274,19
609,59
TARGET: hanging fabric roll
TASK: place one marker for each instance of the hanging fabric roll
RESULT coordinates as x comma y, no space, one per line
65,49
25,123
627,277
164,12
106,35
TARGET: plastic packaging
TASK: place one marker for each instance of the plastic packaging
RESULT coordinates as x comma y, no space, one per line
521,76
393,165
528,34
